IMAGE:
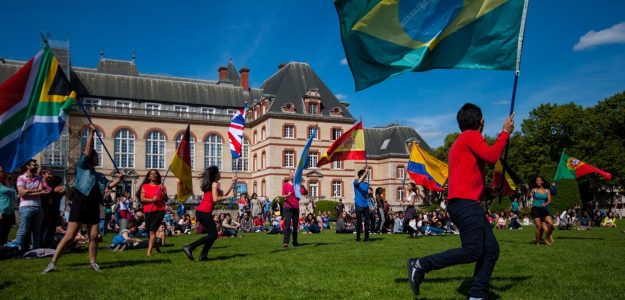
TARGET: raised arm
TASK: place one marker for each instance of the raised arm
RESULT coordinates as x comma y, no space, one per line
491,154
89,145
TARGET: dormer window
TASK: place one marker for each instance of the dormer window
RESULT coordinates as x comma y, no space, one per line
289,107
312,99
336,111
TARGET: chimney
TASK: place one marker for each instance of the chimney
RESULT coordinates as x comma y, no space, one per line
223,73
245,78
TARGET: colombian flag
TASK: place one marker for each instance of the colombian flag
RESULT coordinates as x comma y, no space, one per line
573,168
424,169
509,184
181,167
349,146
383,38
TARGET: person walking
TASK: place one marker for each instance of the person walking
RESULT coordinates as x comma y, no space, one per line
467,157
153,196
541,198
291,210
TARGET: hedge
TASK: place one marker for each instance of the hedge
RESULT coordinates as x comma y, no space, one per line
327,205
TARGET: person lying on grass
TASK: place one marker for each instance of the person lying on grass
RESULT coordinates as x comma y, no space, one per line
125,238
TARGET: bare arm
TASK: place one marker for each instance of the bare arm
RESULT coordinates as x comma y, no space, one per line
548,198
89,145
364,175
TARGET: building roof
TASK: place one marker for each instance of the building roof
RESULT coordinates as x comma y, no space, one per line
233,75
391,140
291,82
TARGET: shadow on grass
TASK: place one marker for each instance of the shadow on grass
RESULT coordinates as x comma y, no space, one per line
302,245
226,257
6,284
577,238
127,263
464,287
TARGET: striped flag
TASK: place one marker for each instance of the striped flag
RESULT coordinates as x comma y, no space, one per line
181,167
302,165
424,169
33,108
235,132
349,146
509,185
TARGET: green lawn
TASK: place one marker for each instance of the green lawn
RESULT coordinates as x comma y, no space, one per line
580,265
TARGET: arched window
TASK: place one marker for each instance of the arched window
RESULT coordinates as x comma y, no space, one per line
263,133
242,163
98,145
192,148
263,161
212,151
255,163
125,149
155,150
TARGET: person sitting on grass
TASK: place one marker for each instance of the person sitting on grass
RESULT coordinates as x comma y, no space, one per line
259,223
609,221
230,227
246,223
326,220
584,221
341,224
399,223
502,221
125,238
514,221
310,225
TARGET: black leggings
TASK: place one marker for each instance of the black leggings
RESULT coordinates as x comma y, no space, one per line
206,219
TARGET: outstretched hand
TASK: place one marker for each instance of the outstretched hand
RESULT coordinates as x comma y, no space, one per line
508,125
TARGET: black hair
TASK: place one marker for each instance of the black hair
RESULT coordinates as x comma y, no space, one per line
208,177
147,180
413,186
24,166
361,172
469,117
379,191
533,183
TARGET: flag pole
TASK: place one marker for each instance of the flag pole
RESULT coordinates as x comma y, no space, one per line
517,73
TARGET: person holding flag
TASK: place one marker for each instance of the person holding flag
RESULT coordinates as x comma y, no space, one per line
361,189
291,209
89,187
467,157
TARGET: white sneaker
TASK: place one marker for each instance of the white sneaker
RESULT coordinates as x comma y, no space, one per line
51,267
95,267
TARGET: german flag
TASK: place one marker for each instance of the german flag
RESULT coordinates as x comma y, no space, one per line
181,167
349,146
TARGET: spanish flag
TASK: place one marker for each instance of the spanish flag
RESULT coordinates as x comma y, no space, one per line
509,184
181,167
424,169
349,146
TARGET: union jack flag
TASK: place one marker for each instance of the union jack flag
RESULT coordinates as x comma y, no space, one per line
235,131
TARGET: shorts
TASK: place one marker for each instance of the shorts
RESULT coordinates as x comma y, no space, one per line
410,213
86,209
539,213
153,220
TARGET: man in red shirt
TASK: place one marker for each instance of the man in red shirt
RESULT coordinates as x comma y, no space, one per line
467,157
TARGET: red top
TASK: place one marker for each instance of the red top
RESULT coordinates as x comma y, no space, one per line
467,157
150,191
206,206
291,200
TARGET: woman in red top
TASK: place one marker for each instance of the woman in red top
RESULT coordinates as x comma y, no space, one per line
153,196
204,212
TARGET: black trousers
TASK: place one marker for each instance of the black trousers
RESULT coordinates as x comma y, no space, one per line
362,215
206,219
291,215
479,245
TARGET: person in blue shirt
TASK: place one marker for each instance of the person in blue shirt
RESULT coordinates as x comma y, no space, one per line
361,189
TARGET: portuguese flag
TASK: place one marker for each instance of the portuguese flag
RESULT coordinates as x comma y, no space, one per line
573,168
181,167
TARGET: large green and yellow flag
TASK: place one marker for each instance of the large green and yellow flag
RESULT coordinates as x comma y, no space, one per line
383,38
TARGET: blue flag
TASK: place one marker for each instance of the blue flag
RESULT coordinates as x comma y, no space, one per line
302,165
383,38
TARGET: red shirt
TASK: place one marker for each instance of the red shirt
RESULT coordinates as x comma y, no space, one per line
258,222
291,200
150,191
206,206
467,157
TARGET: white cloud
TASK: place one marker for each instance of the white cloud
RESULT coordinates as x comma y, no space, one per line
501,102
344,61
434,128
341,96
612,35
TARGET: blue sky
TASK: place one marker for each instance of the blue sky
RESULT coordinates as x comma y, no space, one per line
574,51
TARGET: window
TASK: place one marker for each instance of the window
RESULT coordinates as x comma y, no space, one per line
400,193
125,149
337,188
288,158
310,132
98,145
336,133
212,151
313,189
93,104
242,163
288,131
313,158
255,189
312,108
254,140
263,160
123,106
153,109
191,148
207,111
263,135
53,155
263,187
155,150
400,173
255,163
231,112
181,110
337,165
